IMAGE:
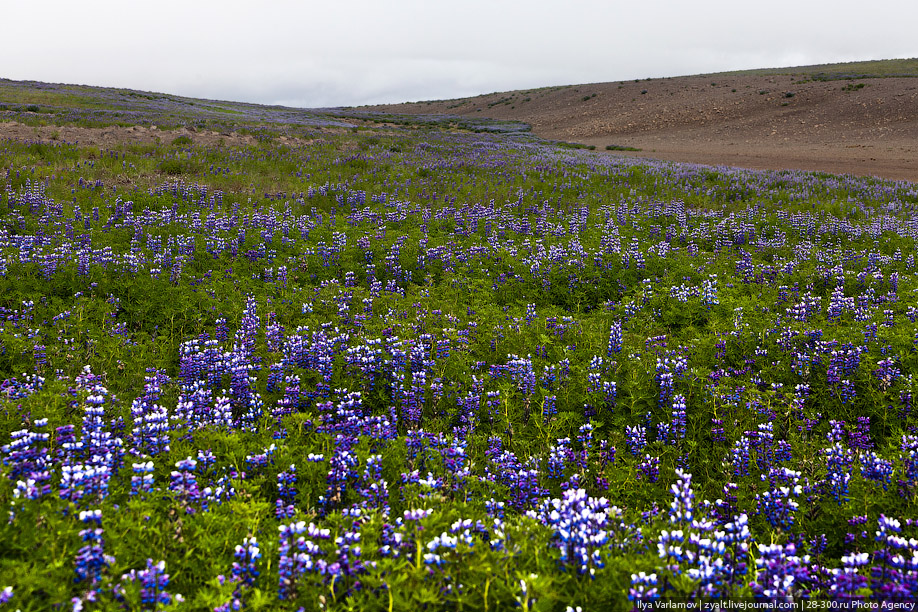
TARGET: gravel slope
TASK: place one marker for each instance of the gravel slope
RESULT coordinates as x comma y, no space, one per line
864,126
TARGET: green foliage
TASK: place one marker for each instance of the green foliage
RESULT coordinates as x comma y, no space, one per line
294,198
177,167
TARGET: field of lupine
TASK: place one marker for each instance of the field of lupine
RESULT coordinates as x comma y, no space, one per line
417,367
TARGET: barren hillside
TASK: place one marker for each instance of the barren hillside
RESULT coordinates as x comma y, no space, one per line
840,123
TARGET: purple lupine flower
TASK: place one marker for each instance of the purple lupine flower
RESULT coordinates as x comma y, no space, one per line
909,458
28,456
781,574
347,562
847,580
183,482
151,421
299,554
153,582
650,468
91,558
709,291
679,416
142,480
580,526
778,504
530,314
740,456
560,456
245,567
615,340
717,430
876,469
664,377
286,493
643,588
635,438
839,461
522,374
886,373
681,508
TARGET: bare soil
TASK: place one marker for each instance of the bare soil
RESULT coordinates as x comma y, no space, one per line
112,136
865,127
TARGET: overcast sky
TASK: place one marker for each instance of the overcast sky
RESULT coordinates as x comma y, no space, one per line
350,52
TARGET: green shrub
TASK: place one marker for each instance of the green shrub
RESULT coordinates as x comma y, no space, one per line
173,167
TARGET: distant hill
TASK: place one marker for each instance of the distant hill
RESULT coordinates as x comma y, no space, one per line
846,70
859,117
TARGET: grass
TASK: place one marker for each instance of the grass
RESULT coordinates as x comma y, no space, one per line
841,71
15,94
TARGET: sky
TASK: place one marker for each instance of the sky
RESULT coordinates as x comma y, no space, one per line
353,52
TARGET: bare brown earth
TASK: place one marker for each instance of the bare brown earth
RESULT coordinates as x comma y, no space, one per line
866,126
112,136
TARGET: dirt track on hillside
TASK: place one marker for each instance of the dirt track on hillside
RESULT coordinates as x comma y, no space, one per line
113,136
865,127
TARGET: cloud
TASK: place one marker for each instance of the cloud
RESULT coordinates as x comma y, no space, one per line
361,51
